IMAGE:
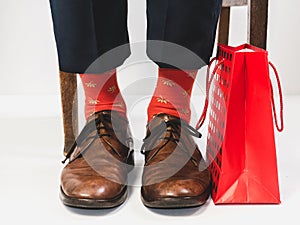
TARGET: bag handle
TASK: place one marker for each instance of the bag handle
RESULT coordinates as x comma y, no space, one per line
281,127
209,80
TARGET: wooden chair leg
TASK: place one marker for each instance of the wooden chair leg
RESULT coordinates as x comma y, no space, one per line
223,36
258,23
68,88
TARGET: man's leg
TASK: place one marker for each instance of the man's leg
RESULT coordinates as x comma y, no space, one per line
182,180
96,174
190,24
187,23
87,29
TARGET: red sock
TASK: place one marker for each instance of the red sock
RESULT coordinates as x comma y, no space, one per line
173,93
102,93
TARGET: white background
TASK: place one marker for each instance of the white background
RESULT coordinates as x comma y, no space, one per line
31,136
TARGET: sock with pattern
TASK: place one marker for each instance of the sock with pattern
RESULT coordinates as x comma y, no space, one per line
102,93
173,93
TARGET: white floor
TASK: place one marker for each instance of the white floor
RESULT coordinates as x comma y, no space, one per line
30,155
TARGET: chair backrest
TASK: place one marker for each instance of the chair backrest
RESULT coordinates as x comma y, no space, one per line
228,3
257,21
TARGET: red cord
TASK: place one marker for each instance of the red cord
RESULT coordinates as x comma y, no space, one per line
209,80
281,127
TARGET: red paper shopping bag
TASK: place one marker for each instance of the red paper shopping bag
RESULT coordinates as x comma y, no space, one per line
240,144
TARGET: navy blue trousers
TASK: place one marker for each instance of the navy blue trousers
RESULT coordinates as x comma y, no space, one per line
87,29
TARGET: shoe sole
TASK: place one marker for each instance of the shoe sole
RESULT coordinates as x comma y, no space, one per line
93,203
177,202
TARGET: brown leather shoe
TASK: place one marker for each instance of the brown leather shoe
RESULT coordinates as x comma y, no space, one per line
96,175
175,174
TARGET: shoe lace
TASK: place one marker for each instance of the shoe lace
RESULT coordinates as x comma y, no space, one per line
173,126
91,125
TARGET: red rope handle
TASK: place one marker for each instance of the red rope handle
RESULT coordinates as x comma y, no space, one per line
281,127
209,80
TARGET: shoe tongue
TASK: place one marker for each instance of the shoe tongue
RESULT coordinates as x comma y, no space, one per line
166,117
159,119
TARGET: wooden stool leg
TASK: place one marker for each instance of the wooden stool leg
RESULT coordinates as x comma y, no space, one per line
68,88
258,19
224,26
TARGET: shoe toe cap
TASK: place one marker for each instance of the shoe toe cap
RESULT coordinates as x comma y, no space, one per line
100,189
175,188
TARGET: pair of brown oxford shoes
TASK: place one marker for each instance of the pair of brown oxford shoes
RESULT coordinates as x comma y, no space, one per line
175,174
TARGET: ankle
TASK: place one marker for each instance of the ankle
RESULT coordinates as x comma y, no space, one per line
172,93
102,93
